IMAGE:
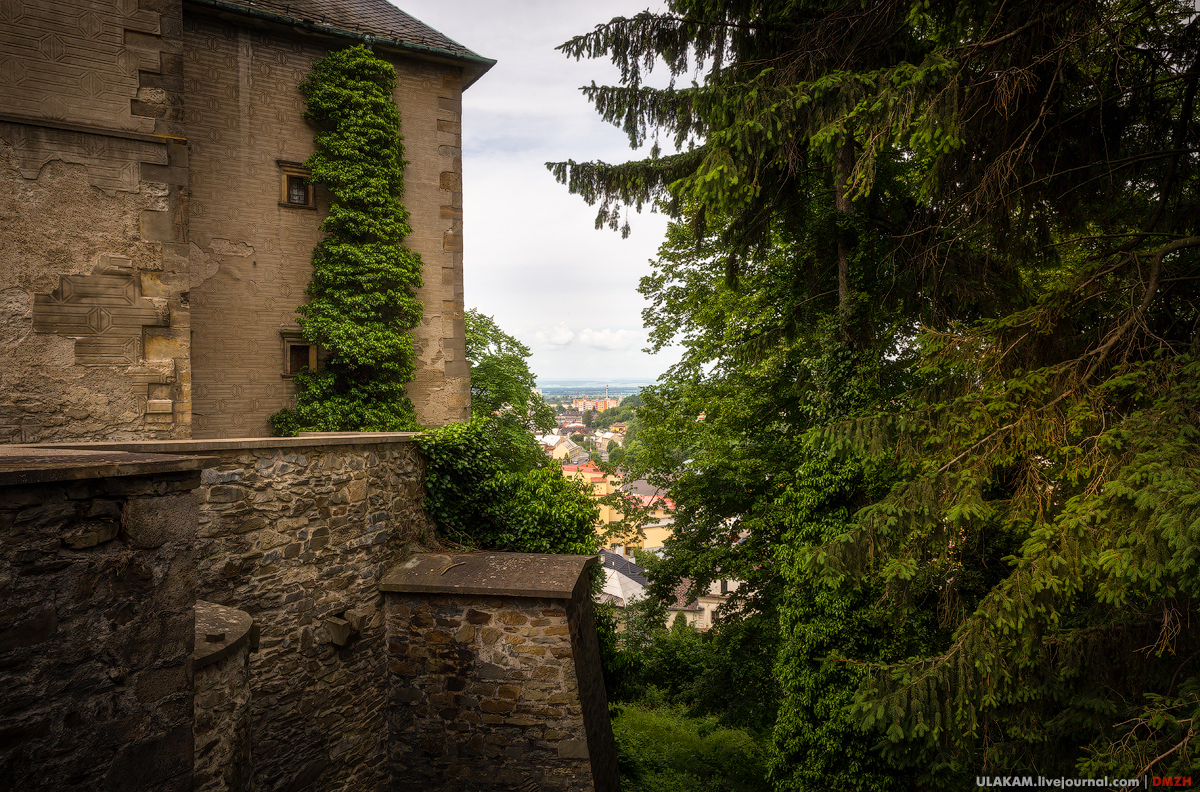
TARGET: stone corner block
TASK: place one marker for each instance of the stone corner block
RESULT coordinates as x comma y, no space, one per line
339,630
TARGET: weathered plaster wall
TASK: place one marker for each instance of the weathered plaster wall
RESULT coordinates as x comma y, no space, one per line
297,532
97,583
251,256
93,314
111,65
95,319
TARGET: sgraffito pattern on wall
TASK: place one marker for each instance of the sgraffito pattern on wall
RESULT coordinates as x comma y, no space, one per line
252,255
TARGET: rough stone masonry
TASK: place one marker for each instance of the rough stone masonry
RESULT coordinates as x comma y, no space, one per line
479,669
97,583
297,532
494,680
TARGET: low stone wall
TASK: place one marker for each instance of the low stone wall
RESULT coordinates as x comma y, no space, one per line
221,664
494,676
97,581
297,532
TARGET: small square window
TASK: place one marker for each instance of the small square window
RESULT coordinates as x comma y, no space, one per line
297,357
295,189
298,354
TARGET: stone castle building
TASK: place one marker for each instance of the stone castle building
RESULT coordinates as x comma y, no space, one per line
155,224
187,605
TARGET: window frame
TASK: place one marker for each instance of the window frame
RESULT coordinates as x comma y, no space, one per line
291,339
293,170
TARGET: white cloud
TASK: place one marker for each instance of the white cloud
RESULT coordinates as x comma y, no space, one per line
557,336
609,339
532,258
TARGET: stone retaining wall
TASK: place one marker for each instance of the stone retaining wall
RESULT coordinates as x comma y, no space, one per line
593,698
297,533
479,671
97,581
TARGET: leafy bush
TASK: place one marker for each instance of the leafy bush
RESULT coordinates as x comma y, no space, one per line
726,672
489,485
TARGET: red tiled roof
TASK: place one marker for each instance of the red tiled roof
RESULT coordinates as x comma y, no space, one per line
679,594
650,500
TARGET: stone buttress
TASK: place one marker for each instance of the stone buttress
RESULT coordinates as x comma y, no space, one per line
494,678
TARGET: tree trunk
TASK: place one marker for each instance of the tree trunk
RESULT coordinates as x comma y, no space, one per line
845,164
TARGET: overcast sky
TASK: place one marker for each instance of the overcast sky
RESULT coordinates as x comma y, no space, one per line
533,259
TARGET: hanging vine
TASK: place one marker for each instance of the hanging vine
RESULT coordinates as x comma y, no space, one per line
362,294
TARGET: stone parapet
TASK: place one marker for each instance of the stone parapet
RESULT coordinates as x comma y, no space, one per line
494,574
298,532
97,582
493,675
307,440
29,465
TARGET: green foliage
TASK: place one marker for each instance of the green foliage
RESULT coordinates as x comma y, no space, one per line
612,661
362,292
717,673
646,559
661,749
501,381
489,485
625,412
645,622
942,259
827,634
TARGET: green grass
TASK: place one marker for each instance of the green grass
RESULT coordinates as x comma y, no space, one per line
661,749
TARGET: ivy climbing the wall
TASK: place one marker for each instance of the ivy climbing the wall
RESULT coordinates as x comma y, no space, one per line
362,292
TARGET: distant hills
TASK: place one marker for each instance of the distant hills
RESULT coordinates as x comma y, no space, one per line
626,384
559,389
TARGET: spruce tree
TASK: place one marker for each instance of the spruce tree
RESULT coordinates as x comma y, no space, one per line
990,213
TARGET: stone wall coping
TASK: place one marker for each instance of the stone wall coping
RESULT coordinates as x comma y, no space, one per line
220,631
496,574
307,440
38,464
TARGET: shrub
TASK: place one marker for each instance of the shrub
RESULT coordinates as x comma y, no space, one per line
489,485
661,749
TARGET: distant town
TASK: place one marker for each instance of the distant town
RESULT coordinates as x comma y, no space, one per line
598,424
